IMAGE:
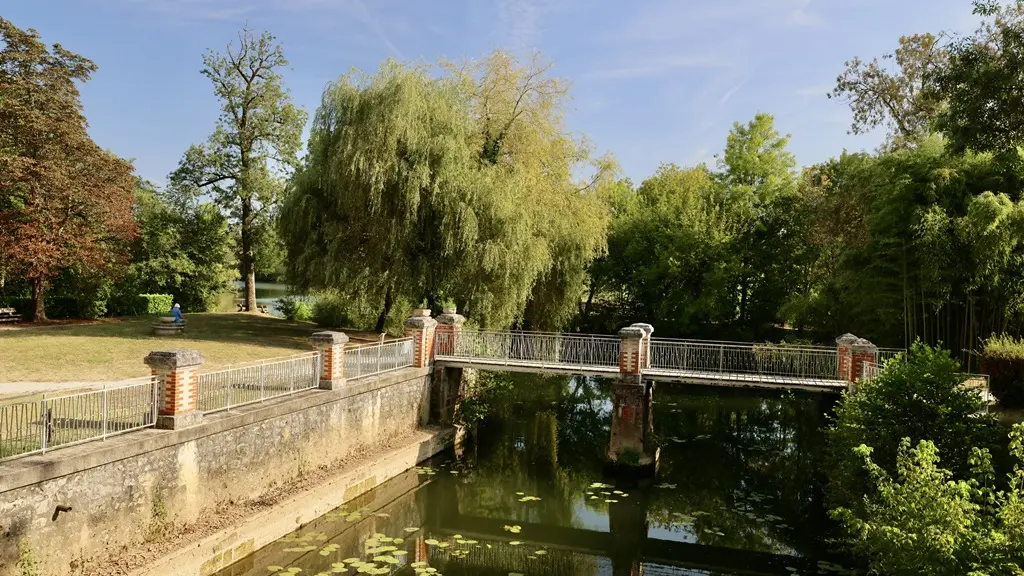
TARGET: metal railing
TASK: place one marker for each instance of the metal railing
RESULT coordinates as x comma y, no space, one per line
529,349
256,382
756,362
49,423
372,359
883,355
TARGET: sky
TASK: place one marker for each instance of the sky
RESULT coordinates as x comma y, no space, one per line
653,81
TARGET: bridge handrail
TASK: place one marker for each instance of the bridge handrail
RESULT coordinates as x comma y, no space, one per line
743,344
546,349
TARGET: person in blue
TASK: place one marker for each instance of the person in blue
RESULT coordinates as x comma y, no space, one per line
176,312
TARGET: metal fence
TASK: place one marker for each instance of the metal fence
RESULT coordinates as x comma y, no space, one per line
257,382
48,423
372,359
883,355
530,348
759,362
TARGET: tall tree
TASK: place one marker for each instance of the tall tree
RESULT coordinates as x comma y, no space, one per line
984,83
257,138
459,185
64,202
759,179
903,99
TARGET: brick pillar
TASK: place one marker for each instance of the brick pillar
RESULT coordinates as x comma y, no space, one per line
177,395
631,345
645,344
331,346
845,361
449,326
861,351
421,329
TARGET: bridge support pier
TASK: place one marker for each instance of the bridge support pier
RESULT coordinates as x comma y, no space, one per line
630,449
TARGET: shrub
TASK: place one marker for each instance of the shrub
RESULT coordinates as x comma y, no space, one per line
154,304
1003,360
338,310
921,399
329,311
295,309
922,521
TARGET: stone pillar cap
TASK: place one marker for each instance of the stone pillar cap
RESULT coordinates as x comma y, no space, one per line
328,338
173,359
847,339
452,319
862,345
647,328
420,322
632,332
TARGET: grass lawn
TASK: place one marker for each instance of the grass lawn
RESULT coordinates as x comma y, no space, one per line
114,350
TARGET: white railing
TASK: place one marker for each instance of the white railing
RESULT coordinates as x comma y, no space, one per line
256,382
883,355
373,359
755,362
49,423
529,349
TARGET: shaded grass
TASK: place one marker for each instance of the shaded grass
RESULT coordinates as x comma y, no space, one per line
114,350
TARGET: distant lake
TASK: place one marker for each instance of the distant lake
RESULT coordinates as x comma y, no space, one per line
267,294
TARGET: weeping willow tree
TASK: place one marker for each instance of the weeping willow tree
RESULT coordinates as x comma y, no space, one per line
451,183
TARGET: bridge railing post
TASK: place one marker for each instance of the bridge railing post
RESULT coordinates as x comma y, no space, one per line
421,329
448,332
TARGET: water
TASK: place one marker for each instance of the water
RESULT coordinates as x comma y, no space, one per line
267,294
737,493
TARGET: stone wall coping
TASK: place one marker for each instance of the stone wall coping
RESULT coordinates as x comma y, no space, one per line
61,462
647,328
632,332
451,319
328,338
174,359
420,322
846,339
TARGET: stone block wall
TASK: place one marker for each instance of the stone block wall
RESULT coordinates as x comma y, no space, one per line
119,488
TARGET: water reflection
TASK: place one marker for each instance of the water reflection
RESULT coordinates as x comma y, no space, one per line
738,493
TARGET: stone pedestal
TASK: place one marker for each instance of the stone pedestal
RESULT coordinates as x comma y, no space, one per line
861,351
331,346
645,344
177,387
421,329
845,360
631,350
446,335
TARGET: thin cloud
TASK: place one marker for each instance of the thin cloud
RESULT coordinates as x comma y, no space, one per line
802,17
520,19
733,90
657,66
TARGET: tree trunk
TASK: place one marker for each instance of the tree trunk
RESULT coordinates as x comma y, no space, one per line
38,300
248,266
389,301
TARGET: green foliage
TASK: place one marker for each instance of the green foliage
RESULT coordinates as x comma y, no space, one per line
629,457
984,82
335,309
490,392
184,249
296,309
921,520
691,248
458,182
920,398
153,304
1003,360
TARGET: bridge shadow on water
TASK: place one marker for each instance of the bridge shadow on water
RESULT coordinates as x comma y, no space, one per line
738,493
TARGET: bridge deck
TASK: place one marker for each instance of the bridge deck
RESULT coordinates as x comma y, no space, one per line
685,376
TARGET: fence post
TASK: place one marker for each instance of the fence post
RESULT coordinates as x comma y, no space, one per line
861,352
421,329
331,346
721,358
176,373
104,411
844,362
44,423
449,328
645,345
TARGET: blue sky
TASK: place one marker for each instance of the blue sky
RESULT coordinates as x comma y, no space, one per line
653,80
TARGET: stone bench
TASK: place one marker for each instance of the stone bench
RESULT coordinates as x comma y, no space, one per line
166,326
9,315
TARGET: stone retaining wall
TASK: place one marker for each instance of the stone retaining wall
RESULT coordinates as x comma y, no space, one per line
117,489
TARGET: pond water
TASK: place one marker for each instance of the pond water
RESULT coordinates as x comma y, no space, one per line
738,492
267,294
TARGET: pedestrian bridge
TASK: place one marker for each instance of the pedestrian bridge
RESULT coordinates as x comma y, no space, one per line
691,361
